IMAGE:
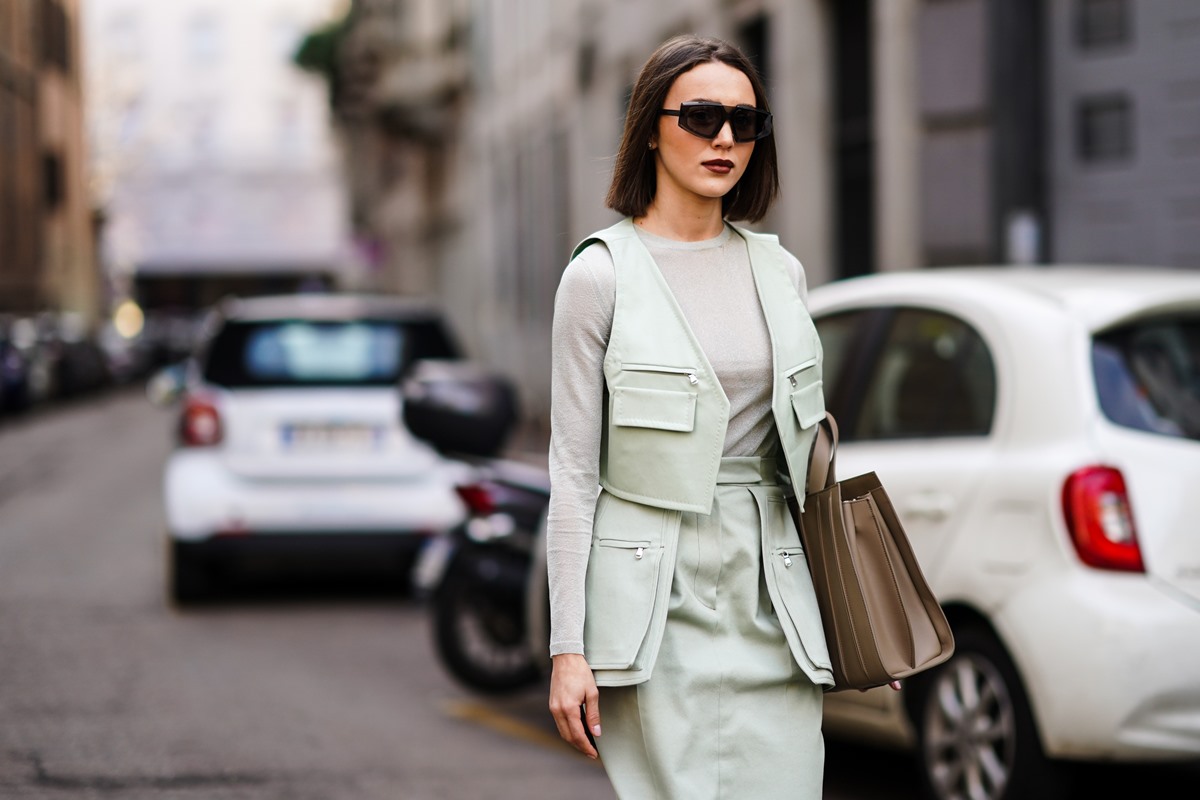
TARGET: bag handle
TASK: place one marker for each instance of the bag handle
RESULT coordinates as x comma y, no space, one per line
822,462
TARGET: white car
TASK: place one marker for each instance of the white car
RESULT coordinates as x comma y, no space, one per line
1037,429
290,435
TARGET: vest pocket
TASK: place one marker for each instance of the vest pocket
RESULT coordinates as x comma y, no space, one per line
687,372
664,409
808,393
622,581
626,574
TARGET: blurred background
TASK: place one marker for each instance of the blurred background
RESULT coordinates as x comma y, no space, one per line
155,157
158,157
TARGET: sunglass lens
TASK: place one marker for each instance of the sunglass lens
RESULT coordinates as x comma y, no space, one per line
746,124
703,121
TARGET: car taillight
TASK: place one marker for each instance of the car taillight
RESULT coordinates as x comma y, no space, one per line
478,497
1100,519
200,425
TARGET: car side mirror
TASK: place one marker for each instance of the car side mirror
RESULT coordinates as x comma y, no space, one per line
166,385
458,407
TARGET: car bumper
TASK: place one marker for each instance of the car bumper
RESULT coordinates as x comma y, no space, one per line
1112,672
204,500
358,548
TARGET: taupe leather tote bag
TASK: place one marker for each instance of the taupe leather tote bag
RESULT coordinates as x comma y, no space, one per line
882,622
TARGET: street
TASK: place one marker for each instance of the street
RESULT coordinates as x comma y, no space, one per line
106,690
283,692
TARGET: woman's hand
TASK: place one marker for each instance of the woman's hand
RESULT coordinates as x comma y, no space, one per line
572,686
893,685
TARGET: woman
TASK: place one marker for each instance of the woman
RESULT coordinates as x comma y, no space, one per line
686,387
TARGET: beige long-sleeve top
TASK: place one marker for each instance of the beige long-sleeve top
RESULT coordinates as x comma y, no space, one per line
713,284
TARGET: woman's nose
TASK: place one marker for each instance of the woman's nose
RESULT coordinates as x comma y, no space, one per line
724,137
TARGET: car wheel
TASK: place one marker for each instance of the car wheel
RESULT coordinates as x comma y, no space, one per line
975,732
480,634
189,573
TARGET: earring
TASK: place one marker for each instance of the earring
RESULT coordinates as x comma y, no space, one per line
650,145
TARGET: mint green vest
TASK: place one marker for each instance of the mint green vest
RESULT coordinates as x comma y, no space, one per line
666,415
662,441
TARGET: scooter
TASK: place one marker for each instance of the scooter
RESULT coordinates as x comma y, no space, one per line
476,577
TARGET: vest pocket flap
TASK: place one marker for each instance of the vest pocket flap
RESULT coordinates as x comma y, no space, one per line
665,409
809,404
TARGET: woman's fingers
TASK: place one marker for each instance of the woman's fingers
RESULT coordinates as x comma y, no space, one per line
572,690
570,728
591,713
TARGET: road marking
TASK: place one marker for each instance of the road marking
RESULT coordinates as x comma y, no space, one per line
482,714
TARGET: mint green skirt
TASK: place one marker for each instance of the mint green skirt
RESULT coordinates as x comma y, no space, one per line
727,714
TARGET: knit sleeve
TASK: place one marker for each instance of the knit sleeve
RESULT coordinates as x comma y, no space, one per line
583,313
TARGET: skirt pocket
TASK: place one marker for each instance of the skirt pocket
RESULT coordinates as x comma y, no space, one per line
791,587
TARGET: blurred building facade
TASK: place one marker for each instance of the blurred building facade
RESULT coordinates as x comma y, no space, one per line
47,252
1124,131
911,133
214,160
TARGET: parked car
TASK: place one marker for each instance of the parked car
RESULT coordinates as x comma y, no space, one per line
15,394
82,366
1037,430
290,436
171,334
128,358
43,348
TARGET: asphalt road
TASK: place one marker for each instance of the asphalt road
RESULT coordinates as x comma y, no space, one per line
285,689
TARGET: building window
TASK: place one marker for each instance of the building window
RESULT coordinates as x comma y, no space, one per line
755,38
56,36
1105,128
1101,24
586,59
53,185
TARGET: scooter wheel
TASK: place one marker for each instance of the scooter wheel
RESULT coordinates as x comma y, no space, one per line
480,635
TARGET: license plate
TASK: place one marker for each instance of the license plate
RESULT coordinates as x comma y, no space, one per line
332,437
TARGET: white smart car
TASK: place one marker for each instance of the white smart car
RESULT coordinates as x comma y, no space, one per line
1039,432
290,436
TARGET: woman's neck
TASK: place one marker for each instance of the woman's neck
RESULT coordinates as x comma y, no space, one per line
683,222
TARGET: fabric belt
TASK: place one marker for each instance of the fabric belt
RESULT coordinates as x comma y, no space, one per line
748,470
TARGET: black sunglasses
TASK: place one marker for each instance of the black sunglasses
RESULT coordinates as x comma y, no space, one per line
705,119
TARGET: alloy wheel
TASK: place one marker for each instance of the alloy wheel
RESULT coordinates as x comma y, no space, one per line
970,731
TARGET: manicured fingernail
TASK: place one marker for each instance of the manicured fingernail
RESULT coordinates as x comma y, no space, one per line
595,730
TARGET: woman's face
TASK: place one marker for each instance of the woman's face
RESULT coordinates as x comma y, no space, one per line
689,167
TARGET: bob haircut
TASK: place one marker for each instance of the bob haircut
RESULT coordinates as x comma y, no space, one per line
634,182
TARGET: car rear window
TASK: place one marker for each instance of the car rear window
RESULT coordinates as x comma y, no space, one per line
281,353
1148,375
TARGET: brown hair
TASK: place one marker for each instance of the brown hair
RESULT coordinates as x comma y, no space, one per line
634,182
